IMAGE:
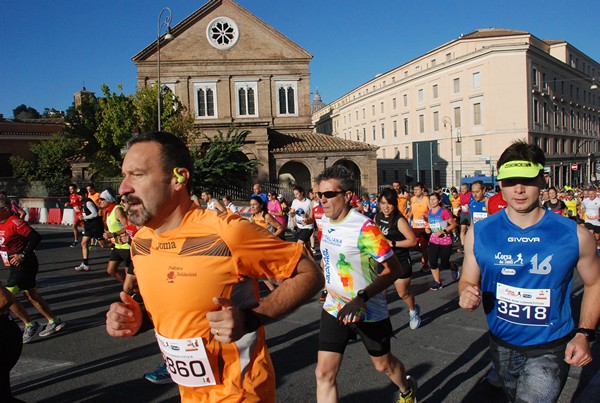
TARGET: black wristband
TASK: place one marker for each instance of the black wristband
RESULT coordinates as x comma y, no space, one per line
251,320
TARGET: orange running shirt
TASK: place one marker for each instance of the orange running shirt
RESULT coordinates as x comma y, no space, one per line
419,211
213,254
403,205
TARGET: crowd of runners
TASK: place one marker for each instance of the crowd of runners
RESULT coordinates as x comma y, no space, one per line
364,244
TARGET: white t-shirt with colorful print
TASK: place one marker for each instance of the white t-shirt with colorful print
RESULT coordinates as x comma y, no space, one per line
351,249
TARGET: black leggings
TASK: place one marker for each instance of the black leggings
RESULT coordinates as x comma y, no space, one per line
442,252
11,344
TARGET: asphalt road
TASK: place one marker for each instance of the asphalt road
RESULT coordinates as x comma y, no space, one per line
447,354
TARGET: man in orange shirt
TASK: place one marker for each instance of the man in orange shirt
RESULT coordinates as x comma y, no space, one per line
419,207
197,272
402,200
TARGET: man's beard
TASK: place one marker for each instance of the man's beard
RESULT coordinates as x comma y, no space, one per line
138,217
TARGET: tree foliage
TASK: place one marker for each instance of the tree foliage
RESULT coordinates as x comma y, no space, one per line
25,112
221,161
52,165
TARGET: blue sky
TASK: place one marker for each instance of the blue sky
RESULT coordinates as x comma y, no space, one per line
51,48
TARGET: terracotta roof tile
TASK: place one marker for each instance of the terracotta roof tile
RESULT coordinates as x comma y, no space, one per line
29,129
313,142
492,32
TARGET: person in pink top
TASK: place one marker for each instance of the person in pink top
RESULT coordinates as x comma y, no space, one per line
465,216
274,208
441,225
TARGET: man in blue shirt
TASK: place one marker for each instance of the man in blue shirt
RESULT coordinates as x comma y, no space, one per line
511,266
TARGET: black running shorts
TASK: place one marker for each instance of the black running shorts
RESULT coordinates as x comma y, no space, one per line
120,255
334,335
23,276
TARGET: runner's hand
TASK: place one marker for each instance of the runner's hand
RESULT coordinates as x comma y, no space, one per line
227,322
124,319
578,352
352,311
470,298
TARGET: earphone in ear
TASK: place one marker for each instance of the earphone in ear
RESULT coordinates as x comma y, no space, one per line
180,177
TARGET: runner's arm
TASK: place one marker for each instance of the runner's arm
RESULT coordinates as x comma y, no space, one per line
275,224
408,233
578,349
470,278
231,323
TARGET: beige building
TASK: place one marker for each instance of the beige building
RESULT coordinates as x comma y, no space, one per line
451,112
229,67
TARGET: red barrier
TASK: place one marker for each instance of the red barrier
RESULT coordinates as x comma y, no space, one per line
54,216
34,215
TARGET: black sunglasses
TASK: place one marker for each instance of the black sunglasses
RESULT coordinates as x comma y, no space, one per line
330,194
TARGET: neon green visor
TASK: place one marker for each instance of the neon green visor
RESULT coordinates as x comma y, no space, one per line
519,169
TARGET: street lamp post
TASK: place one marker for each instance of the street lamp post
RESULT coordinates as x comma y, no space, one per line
165,23
458,141
447,120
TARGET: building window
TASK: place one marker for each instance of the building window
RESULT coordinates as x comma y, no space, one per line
405,100
206,99
436,121
382,131
478,147
536,111
457,122
456,82
421,95
544,82
373,110
374,134
382,107
364,134
477,114
458,149
406,126
222,33
247,99
421,123
287,98
545,113
534,77
394,103
406,152
435,91
364,113
556,116
395,125
357,116
476,80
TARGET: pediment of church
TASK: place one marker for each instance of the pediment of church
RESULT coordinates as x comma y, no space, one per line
234,35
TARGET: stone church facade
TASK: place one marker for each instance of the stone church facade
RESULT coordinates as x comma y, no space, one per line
229,67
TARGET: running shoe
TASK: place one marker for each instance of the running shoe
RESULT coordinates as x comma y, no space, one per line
492,378
323,296
74,244
411,396
82,267
52,328
31,331
159,377
414,319
92,247
455,274
436,286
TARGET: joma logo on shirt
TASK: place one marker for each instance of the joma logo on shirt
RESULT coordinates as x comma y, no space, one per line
165,245
523,239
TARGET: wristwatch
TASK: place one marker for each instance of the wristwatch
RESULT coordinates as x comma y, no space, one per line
590,334
363,295
393,244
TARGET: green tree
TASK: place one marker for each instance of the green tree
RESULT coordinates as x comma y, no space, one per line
220,160
25,112
49,166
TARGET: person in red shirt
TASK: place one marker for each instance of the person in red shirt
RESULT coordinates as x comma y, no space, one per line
495,203
75,203
17,249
